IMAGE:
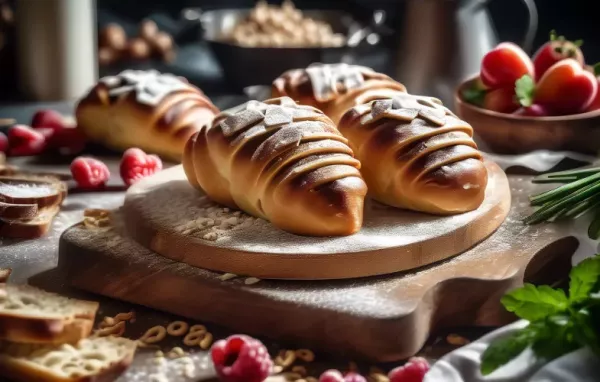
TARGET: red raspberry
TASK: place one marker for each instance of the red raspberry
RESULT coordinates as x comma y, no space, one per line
3,143
25,141
136,165
331,376
49,119
413,371
354,377
241,358
89,173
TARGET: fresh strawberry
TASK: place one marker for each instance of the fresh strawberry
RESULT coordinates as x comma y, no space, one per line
534,110
504,65
331,375
566,88
555,50
3,143
502,100
595,104
49,119
89,173
25,141
413,371
136,165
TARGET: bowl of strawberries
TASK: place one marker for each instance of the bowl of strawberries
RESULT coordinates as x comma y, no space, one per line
550,101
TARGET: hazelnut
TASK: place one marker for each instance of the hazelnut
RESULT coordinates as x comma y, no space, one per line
113,36
148,30
138,49
162,44
107,56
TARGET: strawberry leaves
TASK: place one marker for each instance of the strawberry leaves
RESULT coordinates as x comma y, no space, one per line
533,303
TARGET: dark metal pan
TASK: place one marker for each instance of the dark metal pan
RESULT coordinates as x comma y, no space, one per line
247,66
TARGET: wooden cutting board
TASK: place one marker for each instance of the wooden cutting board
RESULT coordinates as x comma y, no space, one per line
382,318
165,214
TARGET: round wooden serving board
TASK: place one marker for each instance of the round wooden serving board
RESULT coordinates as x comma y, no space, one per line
161,213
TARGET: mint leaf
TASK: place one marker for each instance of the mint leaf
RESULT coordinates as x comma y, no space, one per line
534,303
584,331
584,277
596,69
500,352
525,90
555,337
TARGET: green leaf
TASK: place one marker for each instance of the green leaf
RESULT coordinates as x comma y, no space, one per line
553,35
474,95
500,352
555,337
525,90
584,276
578,43
534,303
594,228
597,69
584,331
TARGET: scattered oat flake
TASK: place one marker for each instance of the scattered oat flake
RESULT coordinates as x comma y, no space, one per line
251,280
227,276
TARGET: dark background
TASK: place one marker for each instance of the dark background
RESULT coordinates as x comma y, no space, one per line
576,19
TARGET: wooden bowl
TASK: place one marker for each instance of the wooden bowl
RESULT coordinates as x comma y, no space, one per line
515,134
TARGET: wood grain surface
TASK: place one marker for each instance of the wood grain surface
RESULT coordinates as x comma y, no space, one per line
158,210
381,318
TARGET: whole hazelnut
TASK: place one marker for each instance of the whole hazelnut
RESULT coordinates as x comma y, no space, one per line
148,30
113,36
163,46
107,56
138,49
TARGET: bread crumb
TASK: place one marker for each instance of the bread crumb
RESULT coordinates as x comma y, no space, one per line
176,352
251,280
456,340
227,276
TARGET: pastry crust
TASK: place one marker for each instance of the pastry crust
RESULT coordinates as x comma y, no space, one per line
283,162
416,154
146,109
335,88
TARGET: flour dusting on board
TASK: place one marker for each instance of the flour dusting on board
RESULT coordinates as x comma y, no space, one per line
23,190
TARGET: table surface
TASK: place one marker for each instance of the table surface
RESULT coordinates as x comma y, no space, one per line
34,261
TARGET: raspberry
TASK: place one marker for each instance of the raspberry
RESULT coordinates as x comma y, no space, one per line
49,119
25,141
331,376
354,377
3,143
89,173
413,371
136,165
67,141
241,358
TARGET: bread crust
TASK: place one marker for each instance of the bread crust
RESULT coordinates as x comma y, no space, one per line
334,88
283,162
416,154
155,112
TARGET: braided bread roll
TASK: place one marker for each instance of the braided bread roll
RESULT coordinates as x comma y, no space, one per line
146,109
280,161
416,154
335,88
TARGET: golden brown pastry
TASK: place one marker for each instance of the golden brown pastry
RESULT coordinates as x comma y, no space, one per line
155,112
335,88
416,154
280,161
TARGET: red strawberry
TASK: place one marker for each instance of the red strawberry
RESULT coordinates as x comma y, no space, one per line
136,165
25,141
48,118
331,375
555,50
89,173
503,65
3,143
413,371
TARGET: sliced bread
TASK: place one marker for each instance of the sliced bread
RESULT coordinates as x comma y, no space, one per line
98,359
31,315
41,190
29,228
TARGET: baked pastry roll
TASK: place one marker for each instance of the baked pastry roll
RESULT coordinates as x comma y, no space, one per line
280,161
416,154
146,109
334,88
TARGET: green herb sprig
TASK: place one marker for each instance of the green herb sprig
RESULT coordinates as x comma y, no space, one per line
579,195
559,323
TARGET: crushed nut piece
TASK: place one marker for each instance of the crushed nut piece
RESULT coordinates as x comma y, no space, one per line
456,340
305,355
176,352
251,280
227,276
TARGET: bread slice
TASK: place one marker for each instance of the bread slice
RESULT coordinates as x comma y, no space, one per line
99,359
4,274
31,315
28,228
41,190
17,211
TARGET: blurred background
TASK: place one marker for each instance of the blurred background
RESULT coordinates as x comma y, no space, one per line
399,37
